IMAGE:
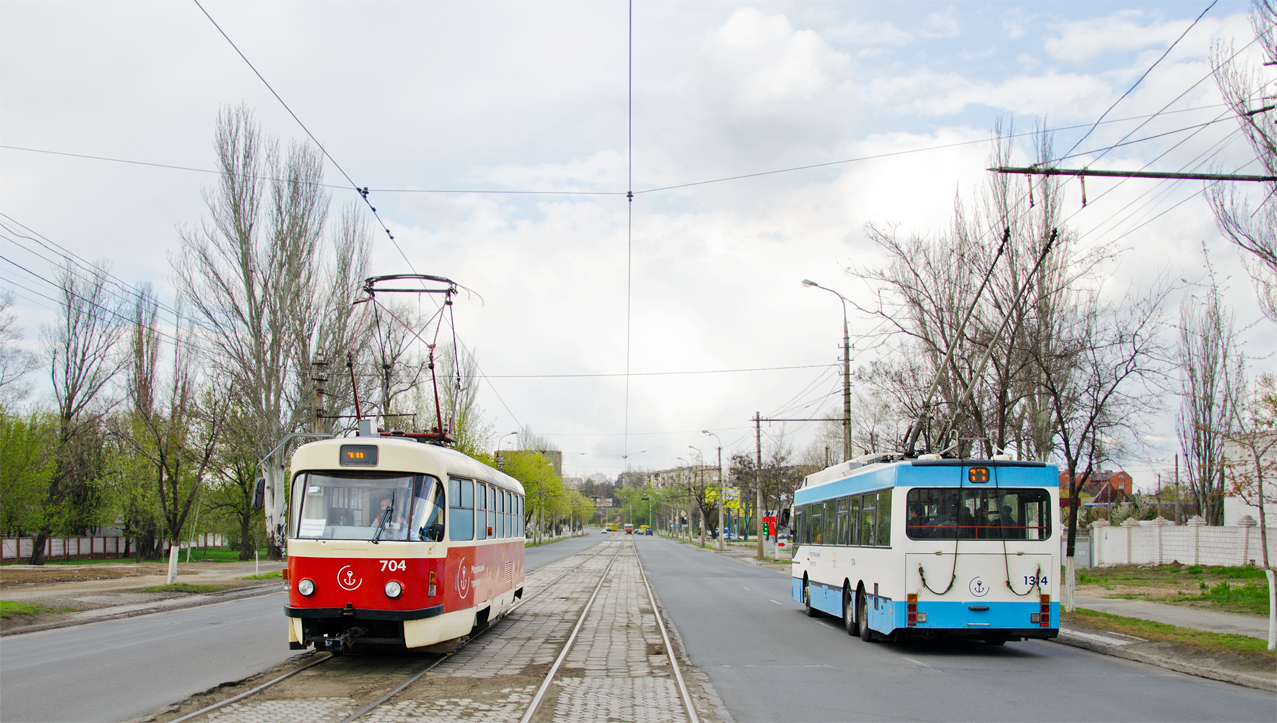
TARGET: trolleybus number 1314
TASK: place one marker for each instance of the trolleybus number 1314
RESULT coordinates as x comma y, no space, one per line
392,565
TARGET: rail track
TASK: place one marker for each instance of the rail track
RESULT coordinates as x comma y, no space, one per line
531,650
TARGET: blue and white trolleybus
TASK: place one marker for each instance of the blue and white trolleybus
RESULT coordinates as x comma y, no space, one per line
930,548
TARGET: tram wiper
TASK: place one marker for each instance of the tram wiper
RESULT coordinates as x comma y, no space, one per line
381,526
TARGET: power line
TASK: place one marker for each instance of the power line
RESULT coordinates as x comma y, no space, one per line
655,374
1142,77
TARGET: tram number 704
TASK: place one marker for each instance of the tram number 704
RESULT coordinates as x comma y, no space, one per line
392,565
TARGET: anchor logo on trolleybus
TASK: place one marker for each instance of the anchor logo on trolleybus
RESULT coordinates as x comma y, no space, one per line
347,580
978,588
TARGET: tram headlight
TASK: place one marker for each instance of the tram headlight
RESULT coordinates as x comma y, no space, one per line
306,587
393,589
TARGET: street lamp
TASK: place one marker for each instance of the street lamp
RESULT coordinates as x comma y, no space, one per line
499,441
721,528
846,371
682,476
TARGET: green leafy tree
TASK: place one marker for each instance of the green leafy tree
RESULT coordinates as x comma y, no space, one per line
27,469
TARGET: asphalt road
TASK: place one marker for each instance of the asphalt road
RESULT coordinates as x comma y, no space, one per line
121,669
769,662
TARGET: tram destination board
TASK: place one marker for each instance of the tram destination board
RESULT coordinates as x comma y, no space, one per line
358,455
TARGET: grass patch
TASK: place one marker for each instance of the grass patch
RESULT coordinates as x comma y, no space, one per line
1163,633
1247,597
9,609
184,587
212,554
543,543
263,576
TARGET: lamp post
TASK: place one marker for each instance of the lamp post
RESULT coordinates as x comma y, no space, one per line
846,371
682,476
499,441
721,528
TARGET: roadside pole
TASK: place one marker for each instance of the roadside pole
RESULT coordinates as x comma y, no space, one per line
758,483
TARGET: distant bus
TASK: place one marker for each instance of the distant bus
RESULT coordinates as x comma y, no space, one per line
613,527
930,548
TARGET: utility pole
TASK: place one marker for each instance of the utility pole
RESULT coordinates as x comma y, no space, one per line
846,370
758,482
321,384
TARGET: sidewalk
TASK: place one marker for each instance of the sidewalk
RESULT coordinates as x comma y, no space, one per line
1184,617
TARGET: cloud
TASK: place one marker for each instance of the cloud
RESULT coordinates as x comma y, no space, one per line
1052,94
1127,30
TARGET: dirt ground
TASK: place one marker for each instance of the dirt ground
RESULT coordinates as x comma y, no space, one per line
73,589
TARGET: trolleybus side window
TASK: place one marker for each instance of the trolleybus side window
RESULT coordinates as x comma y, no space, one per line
983,514
884,519
461,509
830,516
815,525
853,520
800,519
868,503
843,535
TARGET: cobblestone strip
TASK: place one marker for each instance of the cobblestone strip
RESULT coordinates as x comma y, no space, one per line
618,668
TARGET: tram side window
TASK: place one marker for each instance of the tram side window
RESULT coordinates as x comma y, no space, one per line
502,517
427,516
460,509
868,504
492,511
480,511
884,519
518,516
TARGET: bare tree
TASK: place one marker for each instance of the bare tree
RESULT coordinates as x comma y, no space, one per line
1248,91
171,426
15,362
1210,364
254,272
988,288
82,357
1253,434
1098,377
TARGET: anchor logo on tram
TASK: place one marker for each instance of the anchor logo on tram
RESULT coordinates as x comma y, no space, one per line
347,580
463,580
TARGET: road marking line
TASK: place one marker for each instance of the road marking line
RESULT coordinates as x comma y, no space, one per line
774,601
918,662
745,588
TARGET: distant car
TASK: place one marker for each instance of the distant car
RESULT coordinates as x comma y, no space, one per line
605,530
648,532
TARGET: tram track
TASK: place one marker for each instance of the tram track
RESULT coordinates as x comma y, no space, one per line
547,614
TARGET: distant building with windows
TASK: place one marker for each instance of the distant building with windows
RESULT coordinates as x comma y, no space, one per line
1103,486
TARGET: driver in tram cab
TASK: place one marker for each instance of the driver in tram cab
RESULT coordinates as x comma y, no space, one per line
396,520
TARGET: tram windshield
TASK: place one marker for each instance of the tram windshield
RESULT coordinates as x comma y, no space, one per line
368,506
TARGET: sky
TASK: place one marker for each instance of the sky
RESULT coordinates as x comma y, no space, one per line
444,109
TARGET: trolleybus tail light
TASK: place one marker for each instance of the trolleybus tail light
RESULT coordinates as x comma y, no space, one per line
434,580
306,587
911,601
393,589
1044,617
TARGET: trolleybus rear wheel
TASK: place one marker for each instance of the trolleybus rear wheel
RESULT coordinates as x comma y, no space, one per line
807,608
862,608
849,619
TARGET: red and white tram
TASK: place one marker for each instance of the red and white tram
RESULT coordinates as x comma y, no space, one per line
396,542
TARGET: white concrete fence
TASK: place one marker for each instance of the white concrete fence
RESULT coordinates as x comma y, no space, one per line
66,548
1161,542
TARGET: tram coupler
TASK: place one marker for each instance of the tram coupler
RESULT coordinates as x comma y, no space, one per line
341,643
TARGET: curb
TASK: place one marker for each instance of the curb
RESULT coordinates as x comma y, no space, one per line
193,601
1180,666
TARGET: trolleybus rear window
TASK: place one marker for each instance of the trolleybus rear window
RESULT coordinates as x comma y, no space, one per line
368,505
983,514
